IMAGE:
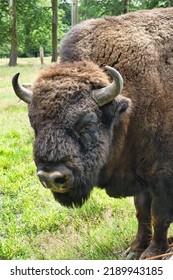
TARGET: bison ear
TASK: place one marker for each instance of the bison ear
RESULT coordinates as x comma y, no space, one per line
115,110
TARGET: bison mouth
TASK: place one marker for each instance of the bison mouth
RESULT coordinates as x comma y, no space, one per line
69,188
75,197
63,189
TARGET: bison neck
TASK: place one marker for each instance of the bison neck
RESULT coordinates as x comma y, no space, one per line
121,179
122,182
122,176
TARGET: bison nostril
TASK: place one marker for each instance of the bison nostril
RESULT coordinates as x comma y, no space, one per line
60,180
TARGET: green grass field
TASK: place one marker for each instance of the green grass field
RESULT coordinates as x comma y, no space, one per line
32,224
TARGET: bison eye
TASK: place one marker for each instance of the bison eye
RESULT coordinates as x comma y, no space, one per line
89,127
88,136
87,130
86,121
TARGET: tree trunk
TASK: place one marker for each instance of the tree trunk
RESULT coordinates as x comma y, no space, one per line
74,12
41,50
54,30
13,52
126,6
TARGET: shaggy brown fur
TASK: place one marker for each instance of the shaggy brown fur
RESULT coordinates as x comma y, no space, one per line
137,44
124,146
140,46
50,90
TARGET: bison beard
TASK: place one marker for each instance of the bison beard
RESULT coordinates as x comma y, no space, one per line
75,197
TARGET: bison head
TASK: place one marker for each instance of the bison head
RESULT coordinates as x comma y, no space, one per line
74,111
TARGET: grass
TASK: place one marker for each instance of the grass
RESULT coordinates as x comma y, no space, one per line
32,224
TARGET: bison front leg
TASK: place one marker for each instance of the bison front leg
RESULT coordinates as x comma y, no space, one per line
161,216
143,213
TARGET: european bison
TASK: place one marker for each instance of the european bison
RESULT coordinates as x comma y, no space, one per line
87,134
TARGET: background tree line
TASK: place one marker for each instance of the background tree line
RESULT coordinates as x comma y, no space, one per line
28,24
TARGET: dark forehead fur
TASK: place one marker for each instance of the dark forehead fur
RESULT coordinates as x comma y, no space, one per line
64,85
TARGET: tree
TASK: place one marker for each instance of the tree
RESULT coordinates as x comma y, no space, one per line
74,12
34,26
13,52
126,6
54,30
150,4
65,7
99,8
34,21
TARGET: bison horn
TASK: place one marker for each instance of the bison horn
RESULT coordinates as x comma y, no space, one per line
23,93
107,94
